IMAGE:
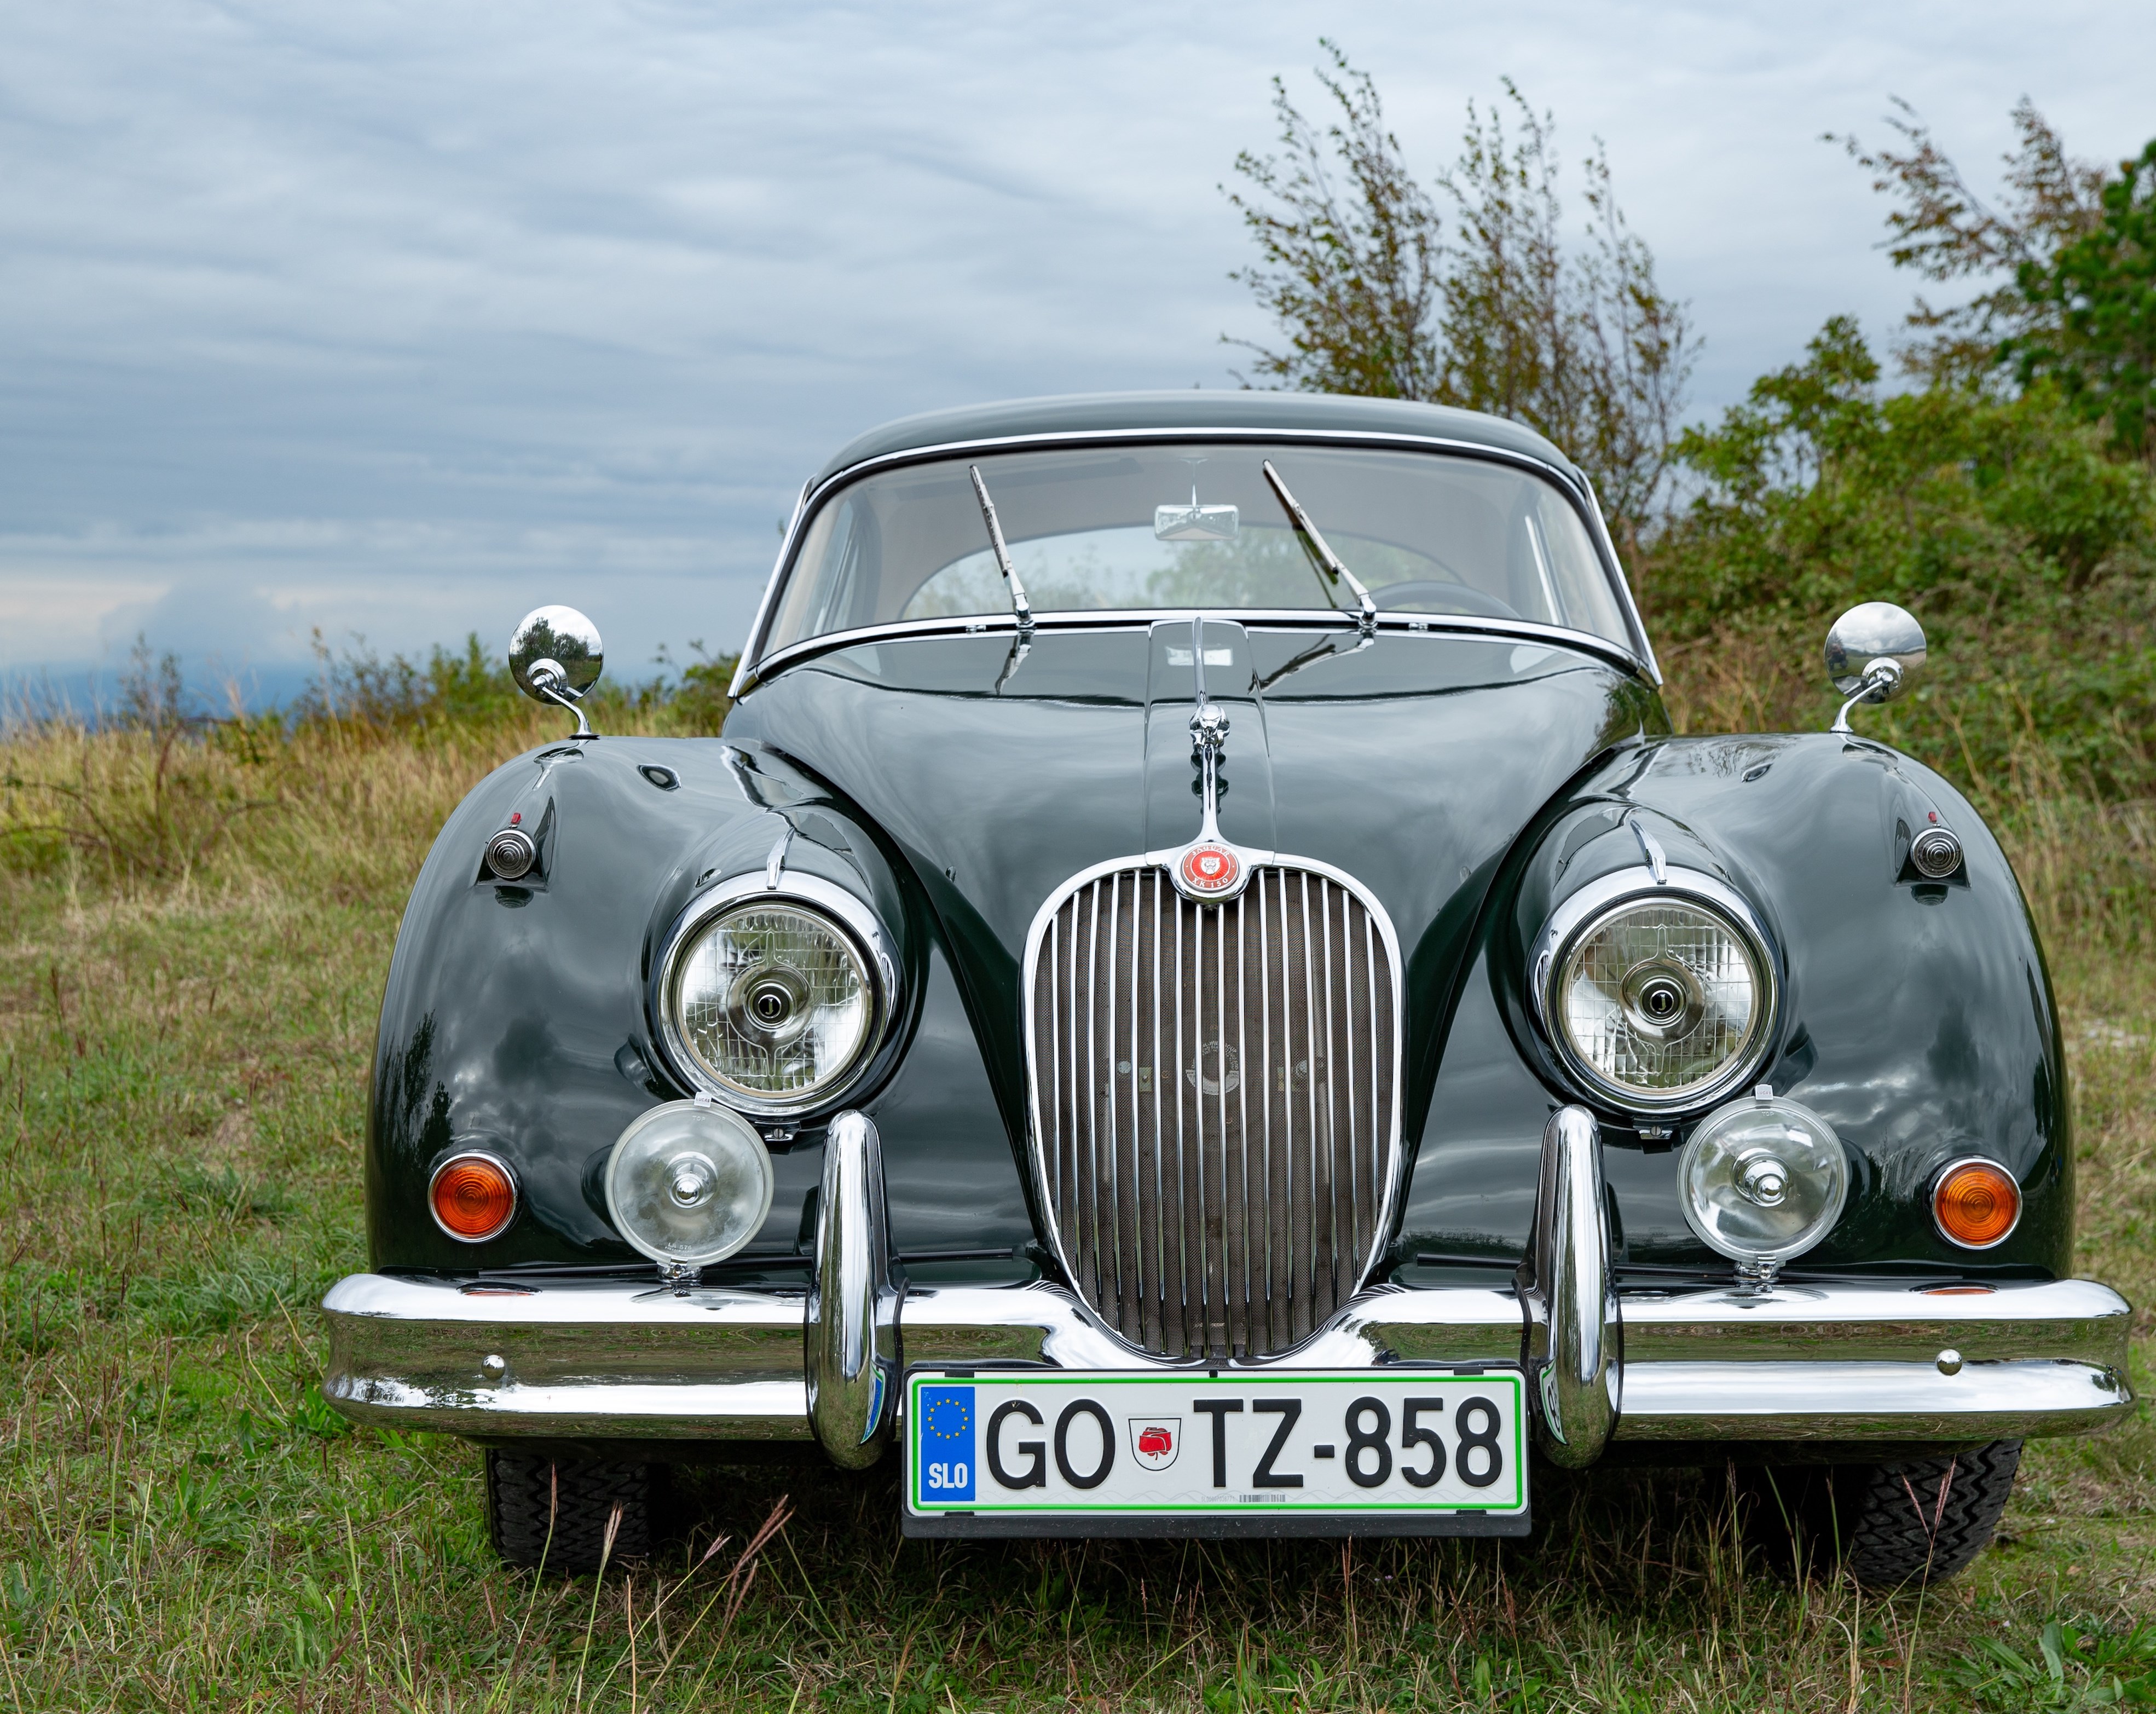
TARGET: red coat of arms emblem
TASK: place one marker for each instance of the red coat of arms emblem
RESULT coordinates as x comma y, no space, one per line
1155,1440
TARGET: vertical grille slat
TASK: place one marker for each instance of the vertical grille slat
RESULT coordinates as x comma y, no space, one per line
1155,1333
1214,1085
1314,1243
1247,1333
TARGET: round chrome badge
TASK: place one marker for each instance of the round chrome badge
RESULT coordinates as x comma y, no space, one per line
1210,868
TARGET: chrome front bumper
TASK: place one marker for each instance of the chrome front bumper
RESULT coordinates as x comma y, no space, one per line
568,1359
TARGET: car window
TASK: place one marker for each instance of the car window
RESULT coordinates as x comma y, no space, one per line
1176,526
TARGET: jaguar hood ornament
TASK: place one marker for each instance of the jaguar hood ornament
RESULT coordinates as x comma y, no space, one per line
1208,870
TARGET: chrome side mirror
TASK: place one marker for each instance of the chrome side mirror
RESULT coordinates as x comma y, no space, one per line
555,656
1874,653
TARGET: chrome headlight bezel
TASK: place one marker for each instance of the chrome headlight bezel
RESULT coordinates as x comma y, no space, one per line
846,914
1584,911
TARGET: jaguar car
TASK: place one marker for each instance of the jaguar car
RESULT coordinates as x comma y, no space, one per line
1198,993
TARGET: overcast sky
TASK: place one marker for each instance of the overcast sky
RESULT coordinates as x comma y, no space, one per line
401,318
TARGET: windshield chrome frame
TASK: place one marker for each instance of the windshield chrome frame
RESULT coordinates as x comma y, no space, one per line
1638,656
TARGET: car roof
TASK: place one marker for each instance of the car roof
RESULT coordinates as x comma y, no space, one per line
1192,408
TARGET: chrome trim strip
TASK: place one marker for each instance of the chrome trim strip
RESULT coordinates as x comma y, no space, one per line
2054,1320
1581,909
1037,931
1575,1337
609,1360
1632,614
854,918
1868,1401
569,1358
581,1410
1045,1325
1651,850
1252,618
850,1323
763,605
755,666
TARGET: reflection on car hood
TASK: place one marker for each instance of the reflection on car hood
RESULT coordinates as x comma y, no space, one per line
1410,763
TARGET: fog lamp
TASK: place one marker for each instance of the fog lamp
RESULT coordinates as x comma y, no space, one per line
689,1183
1977,1204
473,1196
1763,1179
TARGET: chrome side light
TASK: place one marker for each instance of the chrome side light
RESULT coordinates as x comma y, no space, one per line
689,1183
1762,1180
1936,853
510,853
1657,995
773,997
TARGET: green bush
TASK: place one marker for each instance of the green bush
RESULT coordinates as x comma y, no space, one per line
2010,526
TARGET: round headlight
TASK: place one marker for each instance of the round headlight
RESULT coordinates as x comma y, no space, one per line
1662,1000
1763,1179
770,1002
689,1182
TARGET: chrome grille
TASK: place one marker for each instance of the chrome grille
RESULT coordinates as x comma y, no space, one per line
1214,1092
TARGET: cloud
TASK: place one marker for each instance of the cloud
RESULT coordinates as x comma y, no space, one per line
403,317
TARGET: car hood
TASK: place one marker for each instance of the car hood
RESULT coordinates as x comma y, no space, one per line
1412,763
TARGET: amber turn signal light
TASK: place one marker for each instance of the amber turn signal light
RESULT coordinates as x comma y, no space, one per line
473,1197
1977,1204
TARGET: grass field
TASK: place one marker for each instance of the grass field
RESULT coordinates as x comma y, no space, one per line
196,939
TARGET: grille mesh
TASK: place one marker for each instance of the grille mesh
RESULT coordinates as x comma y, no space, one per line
1214,1089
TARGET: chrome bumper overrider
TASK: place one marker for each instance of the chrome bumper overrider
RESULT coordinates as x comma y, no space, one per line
571,1359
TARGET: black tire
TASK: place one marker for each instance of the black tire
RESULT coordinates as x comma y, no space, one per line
1914,1520
553,1513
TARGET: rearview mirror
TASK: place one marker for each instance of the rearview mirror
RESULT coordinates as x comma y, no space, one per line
1874,653
555,656
1195,522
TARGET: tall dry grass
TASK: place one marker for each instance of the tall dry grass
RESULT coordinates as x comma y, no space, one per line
2086,864
134,807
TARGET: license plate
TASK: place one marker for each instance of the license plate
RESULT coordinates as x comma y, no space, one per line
1384,1451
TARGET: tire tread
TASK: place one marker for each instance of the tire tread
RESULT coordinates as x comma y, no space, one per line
1927,1518
1911,1520
552,1513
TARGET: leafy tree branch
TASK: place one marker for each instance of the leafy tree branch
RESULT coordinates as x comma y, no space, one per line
1512,312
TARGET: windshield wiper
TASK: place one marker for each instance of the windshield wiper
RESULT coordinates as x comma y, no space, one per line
1367,621
1326,650
1019,606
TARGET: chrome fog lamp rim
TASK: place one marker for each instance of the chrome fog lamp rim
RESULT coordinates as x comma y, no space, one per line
1764,1176
691,1171
1582,912
846,914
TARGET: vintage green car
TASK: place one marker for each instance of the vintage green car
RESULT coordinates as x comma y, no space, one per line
1197,995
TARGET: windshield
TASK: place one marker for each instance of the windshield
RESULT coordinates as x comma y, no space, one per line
1197,525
